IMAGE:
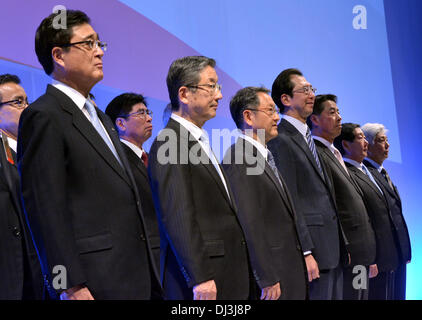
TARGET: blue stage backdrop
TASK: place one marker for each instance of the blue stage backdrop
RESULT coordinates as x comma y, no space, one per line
367,52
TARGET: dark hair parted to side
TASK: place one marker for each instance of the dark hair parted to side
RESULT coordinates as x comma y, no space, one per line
244,99
185,72
346,134
319,105
122,105
283,85
47,37
7,78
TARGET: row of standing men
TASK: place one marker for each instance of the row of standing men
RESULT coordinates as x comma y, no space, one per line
127,225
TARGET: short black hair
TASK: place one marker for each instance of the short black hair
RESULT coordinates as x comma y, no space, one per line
185,72
319,105
283,85
243,99
7,78
122,105
347,134
47,36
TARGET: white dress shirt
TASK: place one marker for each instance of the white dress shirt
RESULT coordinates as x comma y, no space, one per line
261,148
138,151
299,125
13,144
77,98
376,165
197,133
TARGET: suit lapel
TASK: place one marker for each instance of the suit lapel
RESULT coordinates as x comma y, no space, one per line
88,131
135,160
300,141
363,177
380,179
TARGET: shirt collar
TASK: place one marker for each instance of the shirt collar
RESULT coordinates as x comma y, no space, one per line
12,143
134,148
299,125
354,163
328,144
376,165
74,95
261,148
190,126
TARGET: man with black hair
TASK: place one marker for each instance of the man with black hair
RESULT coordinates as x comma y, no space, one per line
78,189
20,272
325,123
265,209
299,163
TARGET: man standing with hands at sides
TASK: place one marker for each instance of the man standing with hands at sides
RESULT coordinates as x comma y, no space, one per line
353,146
298,161
79,194
20,272
264,206
378,149
203,249
325,123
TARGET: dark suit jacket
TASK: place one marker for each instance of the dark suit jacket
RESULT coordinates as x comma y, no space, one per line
268,219
201,238
82,205
20,271
140,174
318,225
377,207
351,210
394,203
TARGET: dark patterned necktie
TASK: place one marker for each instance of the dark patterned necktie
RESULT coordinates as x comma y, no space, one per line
312,147
271,163
144,158
387,177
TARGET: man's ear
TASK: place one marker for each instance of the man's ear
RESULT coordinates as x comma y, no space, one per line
183,94
120,124
315,120
247,118
286,100
57,55
346,145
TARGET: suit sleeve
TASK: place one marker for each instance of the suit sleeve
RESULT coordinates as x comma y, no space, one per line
174,197
287,164
253,224
42,166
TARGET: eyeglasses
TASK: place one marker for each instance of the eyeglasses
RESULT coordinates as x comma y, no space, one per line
91,44
16,103
215,87
269,112
140,114
306,90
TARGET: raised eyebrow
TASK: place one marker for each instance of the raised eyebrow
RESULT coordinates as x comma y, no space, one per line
93,36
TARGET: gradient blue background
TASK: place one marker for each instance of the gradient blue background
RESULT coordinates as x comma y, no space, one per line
374,72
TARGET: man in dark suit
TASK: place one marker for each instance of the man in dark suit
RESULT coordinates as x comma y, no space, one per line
79,193
377,153
354,150
264,206
133,122
203,251
298,161
325,123
20,272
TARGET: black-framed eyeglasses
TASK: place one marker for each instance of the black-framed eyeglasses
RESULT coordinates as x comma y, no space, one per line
16,103
268,112
91,44
140,113
306,90
215,87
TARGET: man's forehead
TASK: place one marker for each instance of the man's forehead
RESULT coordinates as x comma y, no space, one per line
208,74
138,106
11,89
84,31
330,105
265,99
299,80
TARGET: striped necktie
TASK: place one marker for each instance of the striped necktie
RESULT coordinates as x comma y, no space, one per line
312,147
271,163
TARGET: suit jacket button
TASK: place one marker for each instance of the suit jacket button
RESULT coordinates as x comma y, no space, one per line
243,242
16,232
298,247
142,237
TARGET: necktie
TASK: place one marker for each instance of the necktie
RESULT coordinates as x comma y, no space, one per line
387,177
144,158
97,125
337,154
271,162
204,139
366,171
312,147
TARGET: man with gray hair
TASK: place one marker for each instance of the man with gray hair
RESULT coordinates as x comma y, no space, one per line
203,250
377,153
